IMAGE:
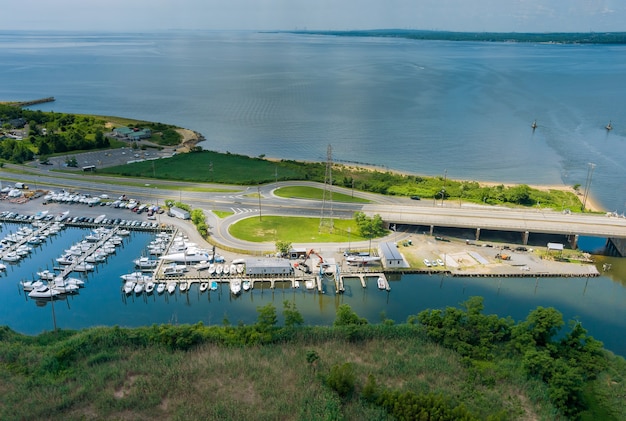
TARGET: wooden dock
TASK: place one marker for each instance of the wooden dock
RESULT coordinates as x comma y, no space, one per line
81,259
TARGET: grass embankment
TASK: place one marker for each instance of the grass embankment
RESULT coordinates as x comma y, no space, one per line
207,166
457,363
313,193
291,229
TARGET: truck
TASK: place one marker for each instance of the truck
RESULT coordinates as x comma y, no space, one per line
179,213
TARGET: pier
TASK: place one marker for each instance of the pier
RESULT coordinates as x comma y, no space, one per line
80,260
33,102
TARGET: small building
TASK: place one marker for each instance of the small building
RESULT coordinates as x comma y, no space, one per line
390,257
555,247
259,267
297,253
179,213
132,133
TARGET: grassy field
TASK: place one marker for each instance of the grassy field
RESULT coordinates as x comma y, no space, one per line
305,192
291,229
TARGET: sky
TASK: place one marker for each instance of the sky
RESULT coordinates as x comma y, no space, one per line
450,15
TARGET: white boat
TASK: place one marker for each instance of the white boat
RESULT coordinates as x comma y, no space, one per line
149,287
233,269
309,284
136,277
75,281
83,267
46,275
160,288
188,256
381,282
60,217
211,269
3,266
11,257
235,286
204,286
226,270
31,285
138,288
44,292
129,286
219,269
296,284
171,287
240,268
145,263
64,287
362,260
173,271
205,264
246,285
183,286
66,259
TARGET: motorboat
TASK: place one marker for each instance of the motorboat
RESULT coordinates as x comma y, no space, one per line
84,267
296,284
213,285
75,281
160,288
246,285
66,259
381,282
240,268
183,286
31,285
204,286
211,269
149,287
362,260
136,277
173,271
171,287
219,269
44,292
189,255
46,275
233,269
225,270
235,286
3,266
11,257
205,264
139,288
64,287
129,286
309,284
145,263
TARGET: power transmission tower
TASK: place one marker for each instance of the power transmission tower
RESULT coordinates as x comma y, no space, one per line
326,220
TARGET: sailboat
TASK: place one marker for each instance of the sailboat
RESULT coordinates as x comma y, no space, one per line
534,125
609,126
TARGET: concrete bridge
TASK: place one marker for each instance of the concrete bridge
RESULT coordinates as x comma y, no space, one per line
524,221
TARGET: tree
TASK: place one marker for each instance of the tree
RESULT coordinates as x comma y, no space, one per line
342,379
283,247
71,162
346,316
292,315
267,317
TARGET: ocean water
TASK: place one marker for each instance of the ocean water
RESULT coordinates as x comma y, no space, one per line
424,107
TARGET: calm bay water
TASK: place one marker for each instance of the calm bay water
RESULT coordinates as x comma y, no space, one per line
416,106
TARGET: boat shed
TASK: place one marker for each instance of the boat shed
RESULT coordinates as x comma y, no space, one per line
268,267
390,256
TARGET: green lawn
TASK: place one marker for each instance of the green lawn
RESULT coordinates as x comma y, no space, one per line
294,230
305,192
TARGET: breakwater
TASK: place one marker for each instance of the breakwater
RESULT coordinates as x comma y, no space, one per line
33,102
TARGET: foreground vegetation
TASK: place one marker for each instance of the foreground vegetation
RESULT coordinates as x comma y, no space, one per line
452,364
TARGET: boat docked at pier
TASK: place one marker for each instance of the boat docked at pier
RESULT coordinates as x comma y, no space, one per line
189,255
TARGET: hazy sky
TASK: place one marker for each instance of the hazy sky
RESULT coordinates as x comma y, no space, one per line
454,15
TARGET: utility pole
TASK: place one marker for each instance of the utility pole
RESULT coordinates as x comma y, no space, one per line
590,168
258,189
